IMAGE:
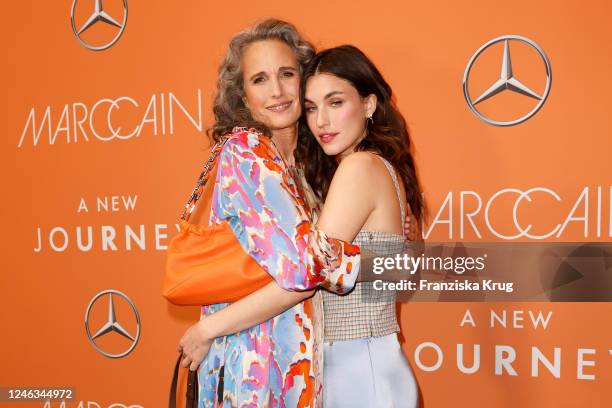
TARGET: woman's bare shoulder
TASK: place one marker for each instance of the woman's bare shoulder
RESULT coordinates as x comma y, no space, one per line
365,166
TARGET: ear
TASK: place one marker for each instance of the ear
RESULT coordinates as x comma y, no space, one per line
370,104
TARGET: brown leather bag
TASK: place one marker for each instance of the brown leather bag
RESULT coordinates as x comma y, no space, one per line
192,387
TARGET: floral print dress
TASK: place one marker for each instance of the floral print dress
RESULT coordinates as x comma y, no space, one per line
272,364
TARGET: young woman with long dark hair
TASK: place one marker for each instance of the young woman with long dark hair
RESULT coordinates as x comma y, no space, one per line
359,137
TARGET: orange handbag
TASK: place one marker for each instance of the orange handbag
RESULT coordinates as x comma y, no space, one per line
206,264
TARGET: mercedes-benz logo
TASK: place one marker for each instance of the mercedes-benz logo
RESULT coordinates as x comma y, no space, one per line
507,80
98,15
112,325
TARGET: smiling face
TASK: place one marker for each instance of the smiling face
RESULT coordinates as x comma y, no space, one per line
271,83
336,113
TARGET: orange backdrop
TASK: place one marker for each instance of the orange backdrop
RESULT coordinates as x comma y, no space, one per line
60,162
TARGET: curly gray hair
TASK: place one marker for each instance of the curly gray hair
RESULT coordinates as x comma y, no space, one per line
229,108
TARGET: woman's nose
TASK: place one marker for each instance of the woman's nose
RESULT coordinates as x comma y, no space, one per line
276,89
322,118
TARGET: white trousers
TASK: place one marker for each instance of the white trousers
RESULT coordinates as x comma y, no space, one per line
370,372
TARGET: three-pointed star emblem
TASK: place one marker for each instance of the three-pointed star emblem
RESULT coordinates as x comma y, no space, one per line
98,15
507,80
112,323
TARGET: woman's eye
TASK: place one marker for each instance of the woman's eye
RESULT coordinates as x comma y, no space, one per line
288,74
258,80
310,109
335,104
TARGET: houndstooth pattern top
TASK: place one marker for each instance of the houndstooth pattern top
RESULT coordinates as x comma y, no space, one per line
365,312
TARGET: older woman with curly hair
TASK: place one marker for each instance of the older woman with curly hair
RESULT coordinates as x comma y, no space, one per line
256,192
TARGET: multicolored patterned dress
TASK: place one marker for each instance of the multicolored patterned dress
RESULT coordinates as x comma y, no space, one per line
272,364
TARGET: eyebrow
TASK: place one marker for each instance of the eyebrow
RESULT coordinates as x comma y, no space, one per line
280,69
329,95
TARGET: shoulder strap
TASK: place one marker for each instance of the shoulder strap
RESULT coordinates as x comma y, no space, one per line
202,179
397,187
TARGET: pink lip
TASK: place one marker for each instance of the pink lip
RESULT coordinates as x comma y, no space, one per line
327,137
280,107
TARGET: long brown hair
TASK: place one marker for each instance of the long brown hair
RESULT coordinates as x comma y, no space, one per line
229,108
387,133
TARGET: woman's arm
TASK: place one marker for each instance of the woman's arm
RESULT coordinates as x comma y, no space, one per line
350,201
258,307
351,197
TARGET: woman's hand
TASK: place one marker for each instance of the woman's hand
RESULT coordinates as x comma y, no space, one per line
411,228
195,345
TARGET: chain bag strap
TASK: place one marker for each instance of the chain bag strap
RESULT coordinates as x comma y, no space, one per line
202,180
